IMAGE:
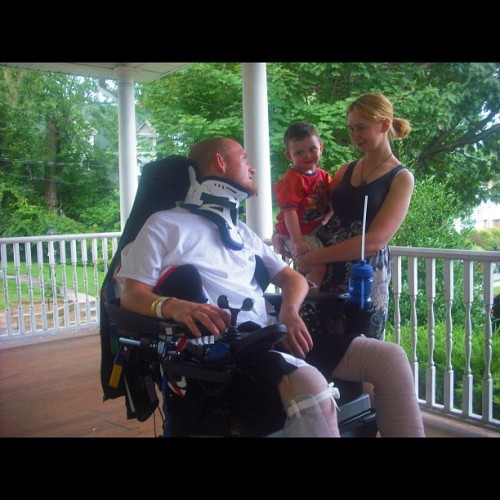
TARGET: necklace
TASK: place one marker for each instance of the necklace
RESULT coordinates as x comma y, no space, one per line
363,179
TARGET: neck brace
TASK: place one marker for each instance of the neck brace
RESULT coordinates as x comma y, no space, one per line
217,199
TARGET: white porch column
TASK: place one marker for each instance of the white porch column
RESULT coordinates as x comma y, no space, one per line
256,142
127,151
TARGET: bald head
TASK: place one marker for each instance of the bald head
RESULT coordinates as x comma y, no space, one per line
224,157
205,151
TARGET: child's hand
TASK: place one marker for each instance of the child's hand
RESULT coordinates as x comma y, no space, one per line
301,248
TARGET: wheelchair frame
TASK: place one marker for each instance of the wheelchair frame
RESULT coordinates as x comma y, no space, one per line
157,342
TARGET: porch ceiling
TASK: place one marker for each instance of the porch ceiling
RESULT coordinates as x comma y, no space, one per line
142,72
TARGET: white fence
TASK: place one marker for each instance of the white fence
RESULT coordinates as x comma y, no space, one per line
51,283
472,301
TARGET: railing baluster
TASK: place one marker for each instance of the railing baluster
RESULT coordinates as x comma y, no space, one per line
467,379
487,402
449,374
413,293
396,290
40,257
430,282
53,281
20,307
5,275
32,312
85,278
64,283
74,262
95,262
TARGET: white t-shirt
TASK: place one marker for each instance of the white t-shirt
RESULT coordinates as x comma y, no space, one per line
175,237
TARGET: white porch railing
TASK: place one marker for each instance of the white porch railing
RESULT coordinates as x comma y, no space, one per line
476,271
50,285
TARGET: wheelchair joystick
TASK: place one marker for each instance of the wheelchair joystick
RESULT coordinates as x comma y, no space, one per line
232,333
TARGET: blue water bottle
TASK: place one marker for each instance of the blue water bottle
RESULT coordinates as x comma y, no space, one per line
360,285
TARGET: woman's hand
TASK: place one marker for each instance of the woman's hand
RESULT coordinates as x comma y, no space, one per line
302,247
304,262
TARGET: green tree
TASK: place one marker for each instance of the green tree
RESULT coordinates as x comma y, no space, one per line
58,148
201,100
487,239
58,135
453,108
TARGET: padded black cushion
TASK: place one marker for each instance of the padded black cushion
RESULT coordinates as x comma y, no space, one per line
162,184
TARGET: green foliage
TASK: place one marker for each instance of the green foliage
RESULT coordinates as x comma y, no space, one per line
59,140
20,217
203,100
104,214
451,106
487,239
430,221
458,361
54,137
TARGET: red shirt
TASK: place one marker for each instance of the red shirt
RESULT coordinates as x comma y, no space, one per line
307,194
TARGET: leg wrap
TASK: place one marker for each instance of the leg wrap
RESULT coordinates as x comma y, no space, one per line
309,402
386,366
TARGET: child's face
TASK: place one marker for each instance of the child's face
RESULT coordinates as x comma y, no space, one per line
305,154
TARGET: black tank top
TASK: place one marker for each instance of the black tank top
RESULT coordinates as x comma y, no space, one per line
348,200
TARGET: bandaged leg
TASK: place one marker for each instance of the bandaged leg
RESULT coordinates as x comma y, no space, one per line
386,366
309,402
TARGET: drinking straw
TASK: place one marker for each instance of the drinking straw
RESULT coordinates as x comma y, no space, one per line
364,229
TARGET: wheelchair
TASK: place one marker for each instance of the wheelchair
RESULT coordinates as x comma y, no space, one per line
194,375
205,388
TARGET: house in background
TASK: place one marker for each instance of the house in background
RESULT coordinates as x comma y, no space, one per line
487,215
484,216
146,144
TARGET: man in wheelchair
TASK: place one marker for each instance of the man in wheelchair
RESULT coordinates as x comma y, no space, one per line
276,383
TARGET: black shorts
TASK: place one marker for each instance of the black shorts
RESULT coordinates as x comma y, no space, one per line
327,351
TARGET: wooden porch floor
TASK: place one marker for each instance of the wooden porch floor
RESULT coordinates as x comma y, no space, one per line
51,388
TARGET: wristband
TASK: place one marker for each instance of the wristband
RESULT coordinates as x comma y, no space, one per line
157,305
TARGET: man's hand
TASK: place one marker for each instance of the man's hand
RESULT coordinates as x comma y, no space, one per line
191,314
298,340
294,289
138,297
